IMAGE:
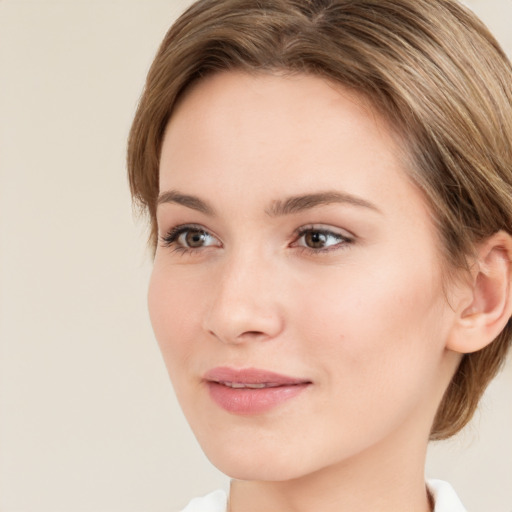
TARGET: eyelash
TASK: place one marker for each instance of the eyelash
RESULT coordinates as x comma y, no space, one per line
342,243
170,239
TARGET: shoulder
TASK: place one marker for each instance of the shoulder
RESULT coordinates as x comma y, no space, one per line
445,498
214,502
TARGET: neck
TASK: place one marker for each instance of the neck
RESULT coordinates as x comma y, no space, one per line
380,479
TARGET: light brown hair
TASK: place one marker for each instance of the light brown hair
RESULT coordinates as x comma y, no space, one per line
430,67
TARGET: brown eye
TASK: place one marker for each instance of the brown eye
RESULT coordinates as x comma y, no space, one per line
189,238
315,239
321,239
195,238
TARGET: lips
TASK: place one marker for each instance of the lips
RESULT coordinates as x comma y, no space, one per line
242,385
251,391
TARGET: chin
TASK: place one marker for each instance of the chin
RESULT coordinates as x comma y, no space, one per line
257,462
267,471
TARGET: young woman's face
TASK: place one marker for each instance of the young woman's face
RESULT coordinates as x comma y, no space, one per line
297,293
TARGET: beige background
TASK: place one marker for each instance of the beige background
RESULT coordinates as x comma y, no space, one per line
88,421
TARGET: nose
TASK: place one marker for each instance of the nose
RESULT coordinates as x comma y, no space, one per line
245,301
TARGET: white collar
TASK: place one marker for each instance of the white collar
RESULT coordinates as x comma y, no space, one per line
445,499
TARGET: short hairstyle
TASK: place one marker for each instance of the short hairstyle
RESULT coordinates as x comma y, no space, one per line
430,67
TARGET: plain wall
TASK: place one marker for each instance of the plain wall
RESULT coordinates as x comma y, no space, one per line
88,420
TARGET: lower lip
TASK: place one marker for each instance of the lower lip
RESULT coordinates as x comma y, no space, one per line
252,401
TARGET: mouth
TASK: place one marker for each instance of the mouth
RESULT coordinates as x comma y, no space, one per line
245,385
251,391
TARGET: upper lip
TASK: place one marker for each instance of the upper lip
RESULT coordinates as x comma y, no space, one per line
224,374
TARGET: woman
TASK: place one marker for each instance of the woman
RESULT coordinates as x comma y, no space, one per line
329,186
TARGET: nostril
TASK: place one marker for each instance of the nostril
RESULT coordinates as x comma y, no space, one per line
240,338
252,335
242,321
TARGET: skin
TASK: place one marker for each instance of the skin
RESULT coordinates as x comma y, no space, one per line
365,319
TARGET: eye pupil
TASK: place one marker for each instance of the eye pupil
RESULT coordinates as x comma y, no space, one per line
315,239
195,238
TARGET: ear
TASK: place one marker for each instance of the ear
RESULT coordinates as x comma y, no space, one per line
485,304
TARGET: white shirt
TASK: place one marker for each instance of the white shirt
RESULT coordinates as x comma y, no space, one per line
444,497
216,501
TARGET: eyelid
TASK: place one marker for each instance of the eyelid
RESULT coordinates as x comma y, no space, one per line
171,236
323,228
345,238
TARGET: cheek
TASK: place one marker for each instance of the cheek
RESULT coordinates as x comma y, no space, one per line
172,309
376,325
377,343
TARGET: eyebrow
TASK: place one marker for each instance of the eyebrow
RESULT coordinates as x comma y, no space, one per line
278,208
193,202
300,203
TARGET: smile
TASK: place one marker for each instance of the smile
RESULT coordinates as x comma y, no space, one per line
251,391
245,385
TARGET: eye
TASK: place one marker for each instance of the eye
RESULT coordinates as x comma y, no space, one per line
319,239
189,238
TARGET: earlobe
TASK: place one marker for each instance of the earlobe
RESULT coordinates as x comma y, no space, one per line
490,292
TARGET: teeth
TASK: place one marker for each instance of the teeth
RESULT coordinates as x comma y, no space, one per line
236,385
241,385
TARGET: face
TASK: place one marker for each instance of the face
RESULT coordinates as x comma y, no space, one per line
296,293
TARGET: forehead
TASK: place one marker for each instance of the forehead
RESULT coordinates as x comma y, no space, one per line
226,93
273,121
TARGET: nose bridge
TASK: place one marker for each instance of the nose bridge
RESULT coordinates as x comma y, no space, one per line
245,304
